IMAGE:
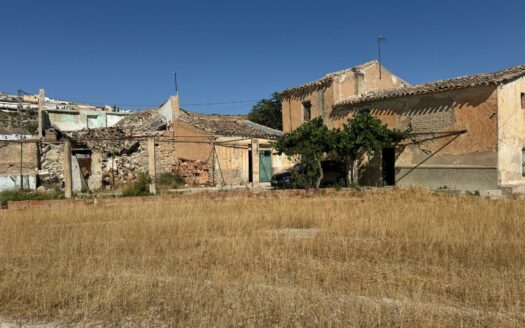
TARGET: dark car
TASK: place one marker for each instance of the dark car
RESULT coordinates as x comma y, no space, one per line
333,174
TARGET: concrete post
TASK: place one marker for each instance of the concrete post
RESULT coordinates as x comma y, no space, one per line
152,165
41,96
68,179
255,162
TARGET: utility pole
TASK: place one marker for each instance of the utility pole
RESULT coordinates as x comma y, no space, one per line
41,98
19,109
380,40
152,169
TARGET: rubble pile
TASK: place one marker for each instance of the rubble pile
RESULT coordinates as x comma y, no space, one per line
193,172
122,169
149,120
51,161
110,141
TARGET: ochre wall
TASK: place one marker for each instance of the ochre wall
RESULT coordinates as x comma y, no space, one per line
232,157
343,86
192,143
471,109
10,159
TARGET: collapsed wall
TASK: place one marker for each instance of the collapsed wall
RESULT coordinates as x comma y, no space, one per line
51,161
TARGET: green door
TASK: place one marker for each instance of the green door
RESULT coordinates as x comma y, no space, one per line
265,165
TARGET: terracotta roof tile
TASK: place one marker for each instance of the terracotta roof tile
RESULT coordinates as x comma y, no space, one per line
437,86
229,126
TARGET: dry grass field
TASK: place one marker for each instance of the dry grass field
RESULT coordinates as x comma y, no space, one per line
376,259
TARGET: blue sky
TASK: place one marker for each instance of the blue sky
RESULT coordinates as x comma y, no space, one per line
124,52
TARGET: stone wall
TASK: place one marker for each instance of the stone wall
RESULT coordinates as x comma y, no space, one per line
52,156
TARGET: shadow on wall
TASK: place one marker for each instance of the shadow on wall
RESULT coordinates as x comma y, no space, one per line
418,105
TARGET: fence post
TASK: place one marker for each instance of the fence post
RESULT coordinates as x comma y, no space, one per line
21,165
255,162
152,165
68,192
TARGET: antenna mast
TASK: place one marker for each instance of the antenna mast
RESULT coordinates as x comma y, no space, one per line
176,84
380,40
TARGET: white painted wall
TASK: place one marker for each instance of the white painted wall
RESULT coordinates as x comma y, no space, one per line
10,182
511,133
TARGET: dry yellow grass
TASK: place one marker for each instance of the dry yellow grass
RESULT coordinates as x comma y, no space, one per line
382,259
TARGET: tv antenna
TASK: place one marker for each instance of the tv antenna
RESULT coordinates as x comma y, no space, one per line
380,40
176,84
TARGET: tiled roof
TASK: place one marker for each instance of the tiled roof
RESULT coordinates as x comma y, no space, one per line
437,86
224,125
149,120
324,81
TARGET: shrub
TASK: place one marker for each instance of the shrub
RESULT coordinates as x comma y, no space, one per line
170,179
10,195
140,187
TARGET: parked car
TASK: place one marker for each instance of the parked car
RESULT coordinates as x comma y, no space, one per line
333,173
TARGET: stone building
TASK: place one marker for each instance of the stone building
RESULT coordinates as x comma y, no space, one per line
468,132
202,149
317,98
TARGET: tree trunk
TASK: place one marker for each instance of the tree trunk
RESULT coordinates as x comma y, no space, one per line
348,171
321,175
355,169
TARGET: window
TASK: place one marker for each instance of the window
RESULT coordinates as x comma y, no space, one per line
307,114
523,100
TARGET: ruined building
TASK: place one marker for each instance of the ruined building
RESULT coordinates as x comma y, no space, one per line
201,149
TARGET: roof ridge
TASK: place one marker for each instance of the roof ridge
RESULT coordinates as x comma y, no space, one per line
329,77
454,83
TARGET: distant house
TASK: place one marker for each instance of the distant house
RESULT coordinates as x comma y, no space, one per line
467,133
14,134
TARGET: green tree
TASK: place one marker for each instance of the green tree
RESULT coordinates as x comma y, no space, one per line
268,112
311,141
362,134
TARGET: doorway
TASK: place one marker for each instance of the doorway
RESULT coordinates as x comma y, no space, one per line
388,166
265,165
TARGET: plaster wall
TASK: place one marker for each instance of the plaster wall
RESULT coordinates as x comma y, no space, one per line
438,156
344,85
511,133
78,120
193,143
233,157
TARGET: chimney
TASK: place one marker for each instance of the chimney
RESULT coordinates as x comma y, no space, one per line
359,83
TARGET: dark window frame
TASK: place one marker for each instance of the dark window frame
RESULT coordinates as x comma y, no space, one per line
307,111
523,100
